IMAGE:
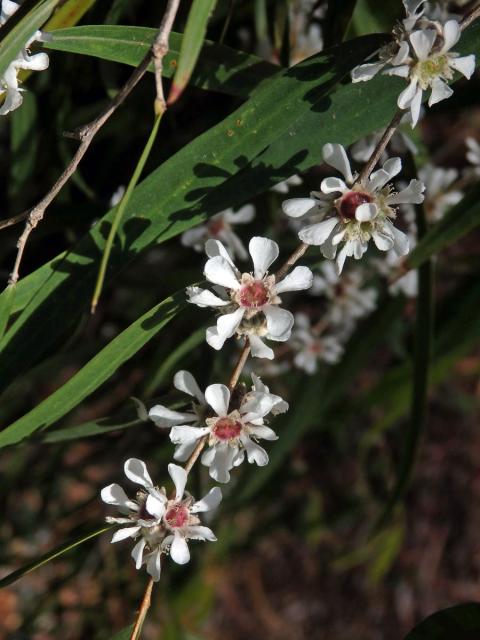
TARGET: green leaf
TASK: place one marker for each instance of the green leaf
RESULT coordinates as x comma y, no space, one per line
461,622
192,42
51,555
219,68
457,222
6,308
23,143
95,372
198,185
124,634
89,429
15,40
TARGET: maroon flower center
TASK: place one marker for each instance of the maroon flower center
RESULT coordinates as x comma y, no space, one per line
226,429
350,201
177,516
215,226
254,294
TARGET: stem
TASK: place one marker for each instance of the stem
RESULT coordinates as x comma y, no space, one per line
120,211
469,18
239,366
296,255
226,24
142,612
160,50
380,148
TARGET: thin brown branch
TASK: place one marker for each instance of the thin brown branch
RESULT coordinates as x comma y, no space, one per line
470,17
239,366
160,50
296,255
15,220
380,148
142,612
86,133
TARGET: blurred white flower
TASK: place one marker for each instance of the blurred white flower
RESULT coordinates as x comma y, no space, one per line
312,348
220,227
232,425
407,284
117,195
354,212
284,186
423,57
160,524
473,154
249,302
10,91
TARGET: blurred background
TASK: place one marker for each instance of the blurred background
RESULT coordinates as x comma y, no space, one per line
295,557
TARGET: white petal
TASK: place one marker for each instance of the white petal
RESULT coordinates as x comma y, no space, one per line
297,207
182,434
198,532
255,453
218,397
259,349
366,211
136,471
413,194
465,65
179,477
243,216
451,35
166,418
204,298
402,54
214,248
402,72
184,381
179,550
300,278
127,532
263,432
316,234
219,271
214,339
365,72
155,506
382,241
416,106
336,156
279,323
115,495
440,91
407,95
263,251
37,62
401,244
390,169
228,323
154,565
194,237
332,185
342,255
221,463
256,406
208,502
422,42
137,552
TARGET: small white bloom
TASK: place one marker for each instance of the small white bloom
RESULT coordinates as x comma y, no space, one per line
312,348
160,524
117,195
249,302
10,92
284,186
220,227
232,424
354,213
440,193
473,154
424,58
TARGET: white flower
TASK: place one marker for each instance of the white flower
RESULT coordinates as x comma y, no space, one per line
232,424
473,154
219,227
354,212
10,92
348,298
117,195
439,194
424,58
160,524
249,305
408,283
284,186
312,348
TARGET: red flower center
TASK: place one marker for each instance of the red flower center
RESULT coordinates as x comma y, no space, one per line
177,516
254,294
350,201
226,429
215,226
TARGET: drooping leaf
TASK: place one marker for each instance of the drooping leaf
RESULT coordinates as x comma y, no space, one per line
219,68
23,143
461,622
95,372
192,42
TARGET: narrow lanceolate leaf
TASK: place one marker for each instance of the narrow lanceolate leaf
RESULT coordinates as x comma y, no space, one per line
461,622
51,555
6,308
70,13
95,372
219,68
458,221
421,364
15,40
90,429
192,42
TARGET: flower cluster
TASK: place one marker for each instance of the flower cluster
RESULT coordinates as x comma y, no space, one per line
10,91
421,53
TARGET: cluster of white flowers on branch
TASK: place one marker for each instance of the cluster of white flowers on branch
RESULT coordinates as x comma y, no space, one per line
10,91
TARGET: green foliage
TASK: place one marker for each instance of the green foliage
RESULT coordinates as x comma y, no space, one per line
461,622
